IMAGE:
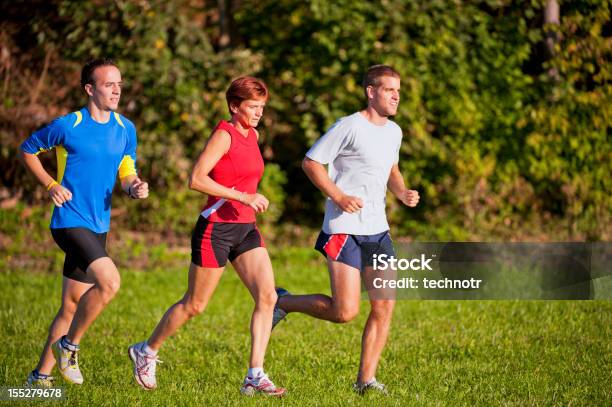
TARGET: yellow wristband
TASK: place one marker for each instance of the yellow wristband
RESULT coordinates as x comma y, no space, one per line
52,184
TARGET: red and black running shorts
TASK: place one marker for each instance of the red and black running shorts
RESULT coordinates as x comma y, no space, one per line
82,247
214,243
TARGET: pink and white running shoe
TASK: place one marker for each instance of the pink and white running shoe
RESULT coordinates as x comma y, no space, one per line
144,366
263,385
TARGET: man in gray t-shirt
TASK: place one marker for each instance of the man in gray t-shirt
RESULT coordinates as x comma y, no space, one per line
359,155
362,153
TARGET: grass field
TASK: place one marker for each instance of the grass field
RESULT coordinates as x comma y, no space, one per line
439,353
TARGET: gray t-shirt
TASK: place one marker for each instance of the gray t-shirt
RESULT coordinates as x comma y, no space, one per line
360,155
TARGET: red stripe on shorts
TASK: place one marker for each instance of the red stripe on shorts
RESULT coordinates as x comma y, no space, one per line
208,254
334,245
262,244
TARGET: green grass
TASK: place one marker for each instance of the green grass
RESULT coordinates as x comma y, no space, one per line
439,353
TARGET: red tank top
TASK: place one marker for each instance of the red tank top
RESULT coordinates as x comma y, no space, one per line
240,168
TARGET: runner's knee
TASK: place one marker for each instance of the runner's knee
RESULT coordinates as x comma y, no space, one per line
68,309
267,299
345,313
109,288
193,307
382,309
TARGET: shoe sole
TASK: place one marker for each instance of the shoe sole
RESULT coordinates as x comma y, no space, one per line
274,325
56,355
251,392
362,392
136,375
285,293
35,384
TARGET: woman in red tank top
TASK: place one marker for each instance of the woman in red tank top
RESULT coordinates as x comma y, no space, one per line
228,170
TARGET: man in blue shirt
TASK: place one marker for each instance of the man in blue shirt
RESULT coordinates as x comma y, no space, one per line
92,145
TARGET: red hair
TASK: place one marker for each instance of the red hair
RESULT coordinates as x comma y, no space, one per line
244,88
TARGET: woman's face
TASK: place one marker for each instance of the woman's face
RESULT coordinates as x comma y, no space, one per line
249,112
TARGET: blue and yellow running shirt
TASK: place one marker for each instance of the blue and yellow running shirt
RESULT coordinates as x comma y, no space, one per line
89,154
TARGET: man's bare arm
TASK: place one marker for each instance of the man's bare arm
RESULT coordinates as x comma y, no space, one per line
396,185
317,174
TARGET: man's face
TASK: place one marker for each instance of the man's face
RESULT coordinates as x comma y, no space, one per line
385,97
107,89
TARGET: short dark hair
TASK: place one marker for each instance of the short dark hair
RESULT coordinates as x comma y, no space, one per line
374,73
90,67
243,88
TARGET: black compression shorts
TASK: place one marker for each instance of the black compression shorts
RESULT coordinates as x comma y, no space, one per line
82,247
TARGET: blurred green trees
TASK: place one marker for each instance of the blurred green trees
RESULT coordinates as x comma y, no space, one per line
503,139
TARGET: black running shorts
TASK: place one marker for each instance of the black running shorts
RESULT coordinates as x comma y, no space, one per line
82,247
214,243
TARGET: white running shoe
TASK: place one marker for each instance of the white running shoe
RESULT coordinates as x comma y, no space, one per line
372,385
263,385
67,362
144,366
38,380
279,314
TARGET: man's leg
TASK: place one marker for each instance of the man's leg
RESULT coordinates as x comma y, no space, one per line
105,277
202,284
342,306
106,281
72,291
376,332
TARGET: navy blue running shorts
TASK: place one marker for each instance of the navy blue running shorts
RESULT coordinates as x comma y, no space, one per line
356,251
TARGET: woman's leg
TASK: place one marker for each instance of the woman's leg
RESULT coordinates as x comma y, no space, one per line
255,271
202,284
